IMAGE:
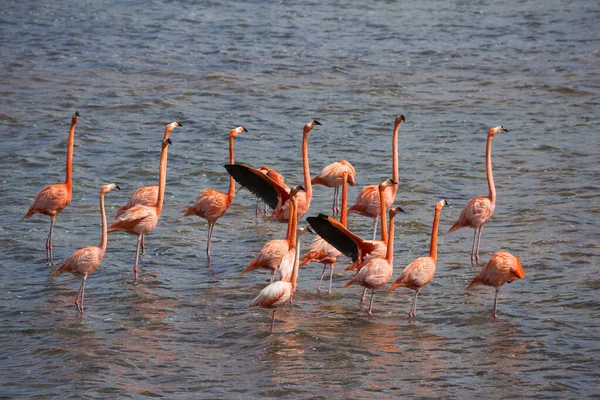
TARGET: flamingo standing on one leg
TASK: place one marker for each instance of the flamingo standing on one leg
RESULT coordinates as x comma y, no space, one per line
52,199
502,268
272,253
212,204
86,260
378,271
479,210
367,201
420,272
323,252
139,220
145,196
278,293
274,194
331,176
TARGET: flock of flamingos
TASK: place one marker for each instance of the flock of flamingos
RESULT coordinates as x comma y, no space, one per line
371,259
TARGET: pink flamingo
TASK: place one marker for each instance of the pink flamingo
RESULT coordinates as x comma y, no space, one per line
272,253
139,220
331,176
277,294
52,199
277,177
212,204
378,271
502,268
145,196
420,272
276,195
86,261
479,210
367,201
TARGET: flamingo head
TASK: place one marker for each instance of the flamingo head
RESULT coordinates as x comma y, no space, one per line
166,142
310,125
394,211
496,130
237,131
399,118
516,271
386,183
109,187
440,204
75,117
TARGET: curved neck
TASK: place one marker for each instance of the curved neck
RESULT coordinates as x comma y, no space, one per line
384,233
488,169
104,227
69,177
162,179
344,214
294,245
231,191
434,235
395,156
389,256
307,184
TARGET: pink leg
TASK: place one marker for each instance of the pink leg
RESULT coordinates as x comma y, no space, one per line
330,277
362,297
272,276
272,322
257,206
371,302
321,280
413,309
375,227
495,303
80,295
137,256
473,247
49,241
477,248
335,201
143,246
210,231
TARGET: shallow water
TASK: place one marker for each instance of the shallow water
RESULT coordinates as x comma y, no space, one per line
452,68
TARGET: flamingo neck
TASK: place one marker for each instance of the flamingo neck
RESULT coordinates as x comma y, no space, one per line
395,157
307,183
295,246
104,237
384,232
389,256
434,236
344,214
162,179
488,169
231,191
69,173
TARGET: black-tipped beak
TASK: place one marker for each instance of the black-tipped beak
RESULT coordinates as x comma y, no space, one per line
244,129
446,202
77,113
394,182
505,130
301,188
402,118
179,124
117,187
400,209
316,122
308,229
169,141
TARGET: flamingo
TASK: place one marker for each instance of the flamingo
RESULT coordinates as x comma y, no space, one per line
273,193
52,199
86,260
277,294
502,268
479,210
145,196
276,176
367,201
212,204
331,176
420,272
140,219
323,252
272,253
378,271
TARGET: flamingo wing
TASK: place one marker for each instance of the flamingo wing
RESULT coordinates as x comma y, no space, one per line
259,184
336,235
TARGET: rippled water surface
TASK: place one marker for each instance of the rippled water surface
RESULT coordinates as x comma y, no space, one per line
452,68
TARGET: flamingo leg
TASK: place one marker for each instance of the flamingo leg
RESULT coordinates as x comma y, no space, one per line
371,302
137,256
210,231
473,247
330,277
80,295
495,303
321,280
413,309
272,322
335,200
49,241
477,247
257,206
272,276
375,227
362,297
143,246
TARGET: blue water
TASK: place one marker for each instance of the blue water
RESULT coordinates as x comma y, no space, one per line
454,69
